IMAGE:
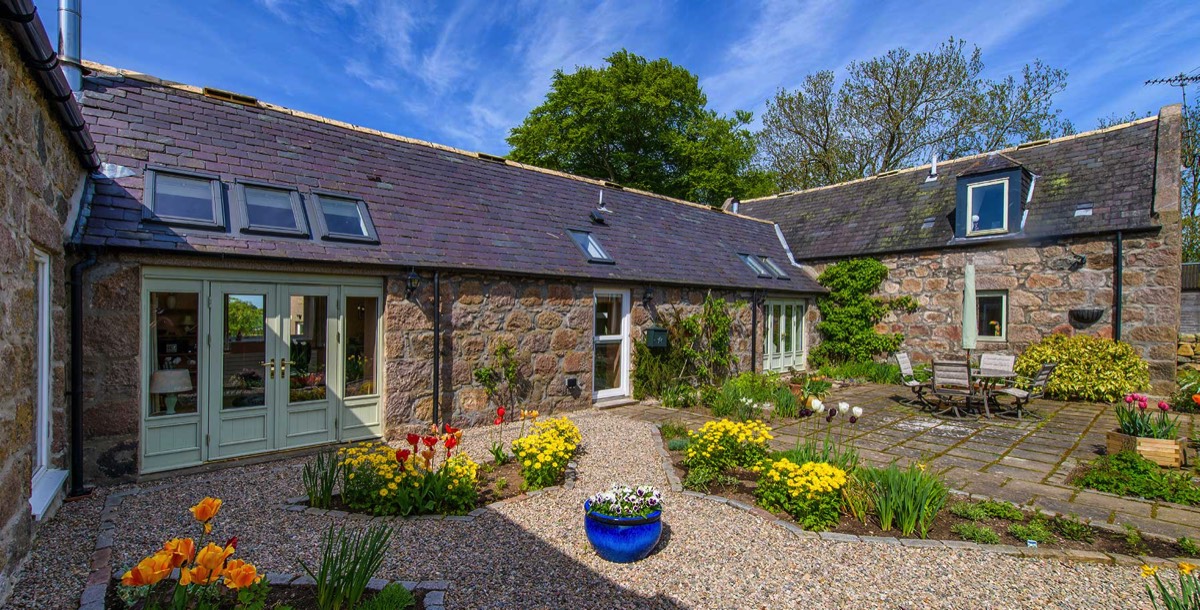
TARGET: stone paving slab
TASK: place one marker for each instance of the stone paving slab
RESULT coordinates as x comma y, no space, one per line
1026,461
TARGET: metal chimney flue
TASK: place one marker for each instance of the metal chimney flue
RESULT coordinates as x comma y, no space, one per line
70,17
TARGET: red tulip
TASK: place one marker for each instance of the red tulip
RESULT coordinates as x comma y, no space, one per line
451,443
402,455
498,421
451,430
413,439
499,411
232,542
430,441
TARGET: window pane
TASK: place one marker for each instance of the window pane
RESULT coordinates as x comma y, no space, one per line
362,320
787,328
988,205
341,216
175,352
754,264
770,264
306,325
589,245
990,316
608,315
269,208
608,366
776,320
245,350
183,197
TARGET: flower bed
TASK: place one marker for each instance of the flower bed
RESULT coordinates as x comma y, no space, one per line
810,498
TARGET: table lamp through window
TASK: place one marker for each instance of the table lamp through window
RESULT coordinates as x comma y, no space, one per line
168,383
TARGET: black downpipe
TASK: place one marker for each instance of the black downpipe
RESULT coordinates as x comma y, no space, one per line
437,346
77,488
1118,280
754,332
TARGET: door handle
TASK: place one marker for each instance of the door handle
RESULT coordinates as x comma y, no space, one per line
283,364
270,363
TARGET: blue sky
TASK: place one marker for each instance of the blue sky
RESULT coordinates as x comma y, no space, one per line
464,73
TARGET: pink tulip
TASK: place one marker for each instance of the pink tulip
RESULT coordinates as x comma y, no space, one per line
1128,398
1162,404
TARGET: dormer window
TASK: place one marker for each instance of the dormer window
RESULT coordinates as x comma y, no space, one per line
186,198
344,218
987,207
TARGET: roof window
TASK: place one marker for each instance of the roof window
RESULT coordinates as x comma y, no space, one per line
1083,209
183,198
773,268
270,209
344,218
590,246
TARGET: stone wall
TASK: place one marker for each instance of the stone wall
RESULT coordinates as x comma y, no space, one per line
1187,355
549,321
1044,282
38,175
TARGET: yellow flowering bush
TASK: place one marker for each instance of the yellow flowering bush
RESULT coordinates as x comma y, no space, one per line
543,453
809,492
724,444
385,481
205,574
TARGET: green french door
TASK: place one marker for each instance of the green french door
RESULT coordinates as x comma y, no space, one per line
237,364
784,345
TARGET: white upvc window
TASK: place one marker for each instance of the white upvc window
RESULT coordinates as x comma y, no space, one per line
987,207
784,344
991,315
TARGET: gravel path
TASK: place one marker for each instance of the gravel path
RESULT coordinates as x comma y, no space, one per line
534,554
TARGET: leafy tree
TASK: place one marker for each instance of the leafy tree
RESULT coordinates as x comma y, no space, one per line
897,109
1189,201
244,318
643,124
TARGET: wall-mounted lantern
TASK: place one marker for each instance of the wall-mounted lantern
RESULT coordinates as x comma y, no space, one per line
411,283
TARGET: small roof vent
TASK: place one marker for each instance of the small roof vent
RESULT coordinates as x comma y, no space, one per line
492,158
1083,209
1033,143
933,175
229,96
613,185
890,172
928,223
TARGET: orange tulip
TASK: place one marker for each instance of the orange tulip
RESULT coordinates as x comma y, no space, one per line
239,574
148,571
206,509
210,564
180,550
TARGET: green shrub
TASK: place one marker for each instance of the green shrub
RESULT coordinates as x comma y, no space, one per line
392,597
700,477
850,311
972,532
319,477
1187,547
699,351
968,510
786,404
1035,530
672,430
677,444
1002,510
655,371
681,396
908,497
349,560
1129,474
1089,368
1189,385
871,371
827,450
734,401
1071,528
1133,539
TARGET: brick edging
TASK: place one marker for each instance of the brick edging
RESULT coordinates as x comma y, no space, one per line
102,572
1081,556
299,504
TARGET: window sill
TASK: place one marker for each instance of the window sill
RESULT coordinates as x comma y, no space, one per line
992,339
45,491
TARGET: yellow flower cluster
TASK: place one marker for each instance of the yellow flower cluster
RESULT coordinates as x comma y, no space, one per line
376,480
462,471
724,443
543,454
810,478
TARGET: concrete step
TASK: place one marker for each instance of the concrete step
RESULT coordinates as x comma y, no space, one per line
611,403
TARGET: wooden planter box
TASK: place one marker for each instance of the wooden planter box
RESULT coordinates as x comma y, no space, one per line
1161,451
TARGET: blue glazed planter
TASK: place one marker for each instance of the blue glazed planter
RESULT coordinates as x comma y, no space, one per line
622,539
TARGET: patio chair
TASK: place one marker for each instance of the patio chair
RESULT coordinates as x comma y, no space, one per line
1026,390
1002,363
909,379
952,383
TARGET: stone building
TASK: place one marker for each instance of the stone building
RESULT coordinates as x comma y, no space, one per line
1076,234
43,161
266,279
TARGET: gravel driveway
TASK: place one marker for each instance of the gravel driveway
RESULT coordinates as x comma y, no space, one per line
534,554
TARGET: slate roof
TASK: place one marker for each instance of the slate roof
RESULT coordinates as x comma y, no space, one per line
432,206
1112,169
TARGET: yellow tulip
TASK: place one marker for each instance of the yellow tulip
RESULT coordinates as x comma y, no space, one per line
1186,567
180,550
1148,571
148,571
206,509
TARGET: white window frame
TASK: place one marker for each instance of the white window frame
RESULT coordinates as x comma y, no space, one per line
45,481
971,207
622,339
797,357
1003,294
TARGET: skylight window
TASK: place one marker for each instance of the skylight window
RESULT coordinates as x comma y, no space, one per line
1083,209
756,264
344,218
987,207
183,198
270,209
773,268
590,247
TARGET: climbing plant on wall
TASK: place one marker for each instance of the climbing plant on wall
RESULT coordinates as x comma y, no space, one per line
699,352
850,312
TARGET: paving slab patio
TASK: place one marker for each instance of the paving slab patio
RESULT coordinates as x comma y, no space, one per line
1023,461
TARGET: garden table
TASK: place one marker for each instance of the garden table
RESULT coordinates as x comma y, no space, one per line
990,380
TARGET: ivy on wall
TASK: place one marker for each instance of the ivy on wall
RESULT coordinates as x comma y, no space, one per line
850,312
699,351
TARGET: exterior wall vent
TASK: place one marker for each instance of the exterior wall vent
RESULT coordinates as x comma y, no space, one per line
229,96
492,158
